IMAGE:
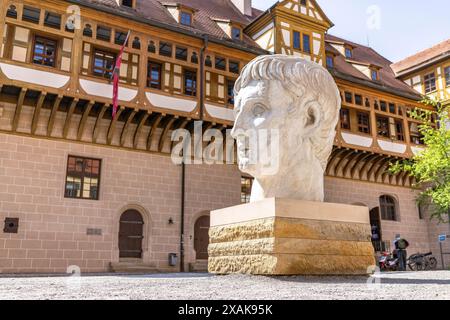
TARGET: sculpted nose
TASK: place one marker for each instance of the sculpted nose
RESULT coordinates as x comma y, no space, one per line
238,127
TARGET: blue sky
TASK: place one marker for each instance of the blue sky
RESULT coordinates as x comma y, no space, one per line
405,26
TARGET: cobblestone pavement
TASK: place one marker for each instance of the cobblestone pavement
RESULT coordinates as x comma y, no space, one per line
407,285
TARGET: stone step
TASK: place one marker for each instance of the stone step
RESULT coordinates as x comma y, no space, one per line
129,267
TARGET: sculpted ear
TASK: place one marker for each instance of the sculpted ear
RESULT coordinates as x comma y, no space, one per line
313,116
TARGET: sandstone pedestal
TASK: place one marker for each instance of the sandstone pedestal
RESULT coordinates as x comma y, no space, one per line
291,237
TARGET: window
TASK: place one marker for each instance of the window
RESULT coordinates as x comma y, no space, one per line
154,75
136,43
430,82
221,63
374,75
127,3
44,52
447,76
392,108
233,66
151,47
358,100
87,31
31,14
330,61
348,97
83,178
246,189
383,106
181,53
186,18
190,83
103,64
297,43
363,122
208,62
194,58
120,37
416,136
348,53
399,130
230,91
306,43
388,208
345,119
236,33
52,20
421,209
367,103
165,49
12,12
383,127
103,33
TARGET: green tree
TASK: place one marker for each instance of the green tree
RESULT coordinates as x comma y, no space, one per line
431,167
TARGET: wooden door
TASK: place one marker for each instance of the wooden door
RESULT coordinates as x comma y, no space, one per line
201,237
131,234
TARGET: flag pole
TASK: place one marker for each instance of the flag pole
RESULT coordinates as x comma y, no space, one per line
116,76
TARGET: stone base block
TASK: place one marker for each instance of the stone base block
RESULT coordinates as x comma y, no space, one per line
291,237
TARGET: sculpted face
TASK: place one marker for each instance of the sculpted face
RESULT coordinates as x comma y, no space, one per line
286,112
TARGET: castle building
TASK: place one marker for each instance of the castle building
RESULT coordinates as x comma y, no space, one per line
78,188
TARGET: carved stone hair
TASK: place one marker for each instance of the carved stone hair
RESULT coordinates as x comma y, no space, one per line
301,78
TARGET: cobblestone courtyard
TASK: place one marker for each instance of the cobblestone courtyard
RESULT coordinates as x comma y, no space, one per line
408,285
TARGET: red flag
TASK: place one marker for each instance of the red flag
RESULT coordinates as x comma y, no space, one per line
116,76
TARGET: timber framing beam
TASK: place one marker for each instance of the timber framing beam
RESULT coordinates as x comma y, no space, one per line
165,132
98,123
37,112
141,124
84,119
112,126
126,127
153,128
69,117
51,120
18,111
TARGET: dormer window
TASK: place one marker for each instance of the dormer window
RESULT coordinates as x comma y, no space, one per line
348,53
185,18
236,33
128,3
330,61
374,74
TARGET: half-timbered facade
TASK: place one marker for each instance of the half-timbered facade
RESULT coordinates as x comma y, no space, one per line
80,188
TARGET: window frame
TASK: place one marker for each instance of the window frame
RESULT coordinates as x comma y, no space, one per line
230,97
99,50
385,205
83,176
36,37
363,126
447,76
235,28
345,110
399,136
149,79
429,80
194,72
379,117
329,58
185,14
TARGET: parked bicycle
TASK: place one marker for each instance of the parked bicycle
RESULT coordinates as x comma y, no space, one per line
422,261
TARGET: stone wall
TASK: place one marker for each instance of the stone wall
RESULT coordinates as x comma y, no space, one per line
52,229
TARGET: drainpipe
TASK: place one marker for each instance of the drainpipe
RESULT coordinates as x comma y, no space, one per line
202,75
183,191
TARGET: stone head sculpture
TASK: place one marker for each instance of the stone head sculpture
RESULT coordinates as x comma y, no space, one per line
299,101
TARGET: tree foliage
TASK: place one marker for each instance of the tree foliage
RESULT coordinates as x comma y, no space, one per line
431,167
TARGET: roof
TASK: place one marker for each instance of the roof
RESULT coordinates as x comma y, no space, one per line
367,56
423,58
153,12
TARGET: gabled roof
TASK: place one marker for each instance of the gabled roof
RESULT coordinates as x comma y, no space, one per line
153,12
423,58
365,55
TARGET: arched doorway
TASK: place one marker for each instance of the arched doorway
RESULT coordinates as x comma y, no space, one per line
131,234
375,224
201,237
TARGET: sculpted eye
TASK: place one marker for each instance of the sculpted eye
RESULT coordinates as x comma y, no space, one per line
259,110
